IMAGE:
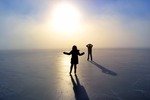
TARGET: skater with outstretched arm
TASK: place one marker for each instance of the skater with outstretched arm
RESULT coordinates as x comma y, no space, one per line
74,59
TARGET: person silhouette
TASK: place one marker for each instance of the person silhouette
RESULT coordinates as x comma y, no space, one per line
74,59
89,46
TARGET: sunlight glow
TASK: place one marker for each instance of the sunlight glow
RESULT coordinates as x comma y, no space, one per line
65,60
65,18
63,71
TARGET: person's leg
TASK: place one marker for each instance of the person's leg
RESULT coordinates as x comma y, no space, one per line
88,56
75,68
91,56
71,68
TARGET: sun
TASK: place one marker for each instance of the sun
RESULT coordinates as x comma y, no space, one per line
66,18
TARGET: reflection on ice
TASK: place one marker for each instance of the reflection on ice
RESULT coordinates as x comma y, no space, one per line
44,75
64,64
65,60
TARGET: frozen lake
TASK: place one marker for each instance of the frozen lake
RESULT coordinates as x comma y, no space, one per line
114,74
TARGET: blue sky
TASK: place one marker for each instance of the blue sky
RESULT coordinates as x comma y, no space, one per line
109,24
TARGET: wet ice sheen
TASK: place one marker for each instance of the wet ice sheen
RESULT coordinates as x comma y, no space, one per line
115,74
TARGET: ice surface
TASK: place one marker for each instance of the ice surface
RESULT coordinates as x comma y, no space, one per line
114,74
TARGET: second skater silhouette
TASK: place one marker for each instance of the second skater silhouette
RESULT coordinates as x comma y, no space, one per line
89,46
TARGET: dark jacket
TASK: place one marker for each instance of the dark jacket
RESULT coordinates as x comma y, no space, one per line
74,58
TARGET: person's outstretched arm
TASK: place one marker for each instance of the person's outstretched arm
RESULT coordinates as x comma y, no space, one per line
80,54
67,53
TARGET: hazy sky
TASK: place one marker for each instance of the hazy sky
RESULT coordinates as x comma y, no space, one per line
26,24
